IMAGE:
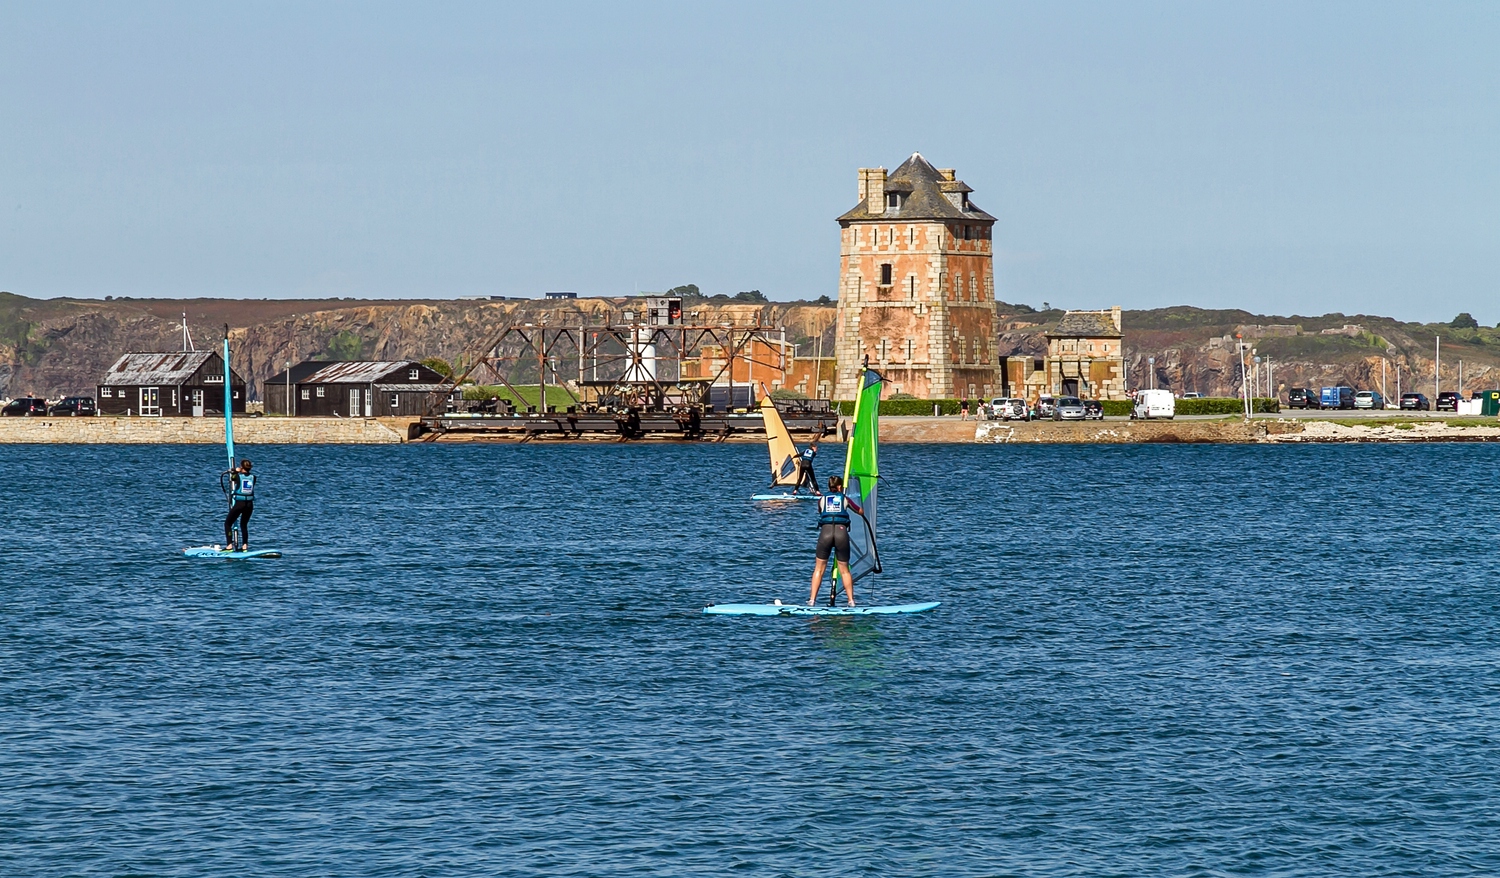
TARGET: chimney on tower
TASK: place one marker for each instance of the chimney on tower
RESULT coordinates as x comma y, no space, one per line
872,189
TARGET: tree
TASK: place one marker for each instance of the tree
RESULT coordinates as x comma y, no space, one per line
824,300
439,365
686,291
1464,321
751,296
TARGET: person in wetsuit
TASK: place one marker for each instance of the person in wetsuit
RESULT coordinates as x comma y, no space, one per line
833,538
806,477
242,503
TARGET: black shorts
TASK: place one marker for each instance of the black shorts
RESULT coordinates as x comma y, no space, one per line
834,538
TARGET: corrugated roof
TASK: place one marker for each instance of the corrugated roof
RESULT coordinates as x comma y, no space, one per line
411,388
356,372
156,368
299,371
1086,324
924,187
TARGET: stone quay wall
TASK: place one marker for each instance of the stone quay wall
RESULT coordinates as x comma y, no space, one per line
204,431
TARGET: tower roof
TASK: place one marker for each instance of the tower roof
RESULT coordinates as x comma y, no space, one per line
927,192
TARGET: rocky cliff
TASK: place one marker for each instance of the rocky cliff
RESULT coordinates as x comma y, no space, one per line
56,347
1196,349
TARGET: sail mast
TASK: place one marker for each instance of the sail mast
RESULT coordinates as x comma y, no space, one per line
228,403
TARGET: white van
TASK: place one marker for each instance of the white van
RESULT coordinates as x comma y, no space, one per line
1154,404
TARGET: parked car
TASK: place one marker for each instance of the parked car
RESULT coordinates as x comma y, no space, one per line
1154,404
1093,408
74,406
1008,409
1369,399
1415,402
1044,407
1301,398
1192,395
1447,401
1068,408
1336,398
25,406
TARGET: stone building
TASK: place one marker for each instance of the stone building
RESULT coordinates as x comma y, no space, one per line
917,285
1085,356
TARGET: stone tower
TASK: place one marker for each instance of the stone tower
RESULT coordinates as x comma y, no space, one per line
917,286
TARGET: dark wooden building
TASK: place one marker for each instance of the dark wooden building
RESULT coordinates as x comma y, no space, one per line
274,391
175,384
365,390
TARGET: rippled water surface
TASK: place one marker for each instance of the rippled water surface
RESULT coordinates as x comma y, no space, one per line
1150,660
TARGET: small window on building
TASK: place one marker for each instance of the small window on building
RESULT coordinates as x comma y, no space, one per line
320,393
893,200
306,393
394,400
885,274
412,374
106,393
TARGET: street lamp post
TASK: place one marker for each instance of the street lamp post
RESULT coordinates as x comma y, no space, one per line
1244,378
1151,364
1257,375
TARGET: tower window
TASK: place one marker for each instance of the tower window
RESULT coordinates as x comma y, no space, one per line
885,274
893,200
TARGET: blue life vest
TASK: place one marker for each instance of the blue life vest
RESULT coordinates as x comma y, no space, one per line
244,488
833,509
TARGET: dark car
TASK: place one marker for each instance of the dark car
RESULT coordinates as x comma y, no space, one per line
1301,398
25,406
1447,401
1093,409
74,406
1415,402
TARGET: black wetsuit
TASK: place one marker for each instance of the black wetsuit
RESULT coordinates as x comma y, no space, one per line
243,503
807,478
833,527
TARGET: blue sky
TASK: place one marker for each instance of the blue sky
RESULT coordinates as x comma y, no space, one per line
1284,158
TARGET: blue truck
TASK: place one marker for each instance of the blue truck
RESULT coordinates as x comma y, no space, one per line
1336,398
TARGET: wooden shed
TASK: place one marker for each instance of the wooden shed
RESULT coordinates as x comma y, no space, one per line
274,391
367,389
175,384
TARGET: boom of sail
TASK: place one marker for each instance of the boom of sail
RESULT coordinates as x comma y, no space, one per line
861,475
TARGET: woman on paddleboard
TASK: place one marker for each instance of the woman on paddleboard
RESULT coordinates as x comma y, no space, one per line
833,537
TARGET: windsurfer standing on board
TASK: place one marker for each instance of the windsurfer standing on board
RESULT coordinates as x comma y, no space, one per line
806,476
833,536
242,503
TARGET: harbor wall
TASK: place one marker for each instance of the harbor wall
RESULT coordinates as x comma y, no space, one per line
203,431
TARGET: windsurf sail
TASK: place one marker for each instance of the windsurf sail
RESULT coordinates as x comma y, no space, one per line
783,450
861,473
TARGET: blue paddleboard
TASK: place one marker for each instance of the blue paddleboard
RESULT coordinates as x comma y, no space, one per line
216,552
802,610
764,497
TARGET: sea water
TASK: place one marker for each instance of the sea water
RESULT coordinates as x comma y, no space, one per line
492,660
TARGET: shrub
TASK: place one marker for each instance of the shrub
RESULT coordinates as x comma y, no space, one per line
907,406
1226,406
1116,407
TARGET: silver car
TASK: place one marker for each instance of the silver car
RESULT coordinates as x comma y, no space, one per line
1069,408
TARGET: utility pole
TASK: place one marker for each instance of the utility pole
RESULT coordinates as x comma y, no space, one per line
1151,365
1244,378
1437,370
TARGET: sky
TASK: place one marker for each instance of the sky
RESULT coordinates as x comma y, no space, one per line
1285,158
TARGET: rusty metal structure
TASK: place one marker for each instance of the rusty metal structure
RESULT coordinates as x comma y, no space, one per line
638,374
